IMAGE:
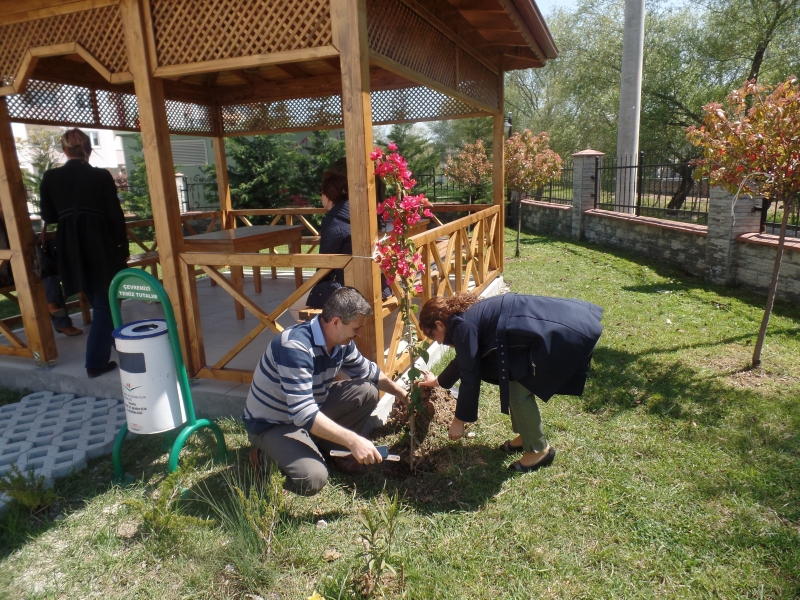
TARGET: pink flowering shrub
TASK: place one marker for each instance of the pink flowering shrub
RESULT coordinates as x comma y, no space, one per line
470,168
399,259
396,253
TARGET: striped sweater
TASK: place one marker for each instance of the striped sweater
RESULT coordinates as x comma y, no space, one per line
292,379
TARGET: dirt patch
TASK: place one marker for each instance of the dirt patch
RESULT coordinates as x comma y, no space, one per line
440,407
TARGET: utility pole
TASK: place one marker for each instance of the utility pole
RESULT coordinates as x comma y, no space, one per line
630,105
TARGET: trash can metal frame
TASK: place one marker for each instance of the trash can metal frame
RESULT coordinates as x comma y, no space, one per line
192,422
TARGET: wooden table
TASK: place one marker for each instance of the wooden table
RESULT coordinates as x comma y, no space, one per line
248,239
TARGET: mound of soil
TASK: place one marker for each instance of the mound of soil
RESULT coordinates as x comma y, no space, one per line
440,406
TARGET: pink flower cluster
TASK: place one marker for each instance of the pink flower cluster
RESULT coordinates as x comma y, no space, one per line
396,253
392,167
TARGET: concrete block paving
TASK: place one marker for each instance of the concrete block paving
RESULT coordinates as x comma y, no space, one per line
54,435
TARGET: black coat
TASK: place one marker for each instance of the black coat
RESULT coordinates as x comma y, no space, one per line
544,343
334,238
91,241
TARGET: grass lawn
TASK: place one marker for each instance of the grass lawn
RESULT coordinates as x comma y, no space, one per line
677,476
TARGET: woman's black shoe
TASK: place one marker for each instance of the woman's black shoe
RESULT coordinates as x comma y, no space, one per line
92,373
545,461
509,448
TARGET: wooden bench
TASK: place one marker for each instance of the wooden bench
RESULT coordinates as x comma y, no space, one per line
145,260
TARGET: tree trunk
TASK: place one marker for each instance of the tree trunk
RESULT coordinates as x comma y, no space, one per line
773,286
684,187
519,220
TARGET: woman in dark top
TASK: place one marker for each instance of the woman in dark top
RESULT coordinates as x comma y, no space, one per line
91,239
527,345
334,234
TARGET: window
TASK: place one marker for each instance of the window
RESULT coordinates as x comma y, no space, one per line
189,152
95,137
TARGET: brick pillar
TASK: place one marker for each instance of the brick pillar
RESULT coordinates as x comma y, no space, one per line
726,222
583,189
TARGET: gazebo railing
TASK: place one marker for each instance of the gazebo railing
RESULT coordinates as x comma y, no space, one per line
210,263
461,256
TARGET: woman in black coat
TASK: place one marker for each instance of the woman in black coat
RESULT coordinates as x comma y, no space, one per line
334,235
91,239
527,345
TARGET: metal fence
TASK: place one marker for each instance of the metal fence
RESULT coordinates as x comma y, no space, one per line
558,190
665,190
772,215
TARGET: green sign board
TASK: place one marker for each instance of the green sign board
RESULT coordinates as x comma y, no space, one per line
137,289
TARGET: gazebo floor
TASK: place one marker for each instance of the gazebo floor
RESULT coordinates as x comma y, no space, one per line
221,331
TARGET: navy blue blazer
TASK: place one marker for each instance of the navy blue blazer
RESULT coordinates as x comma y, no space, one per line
544,343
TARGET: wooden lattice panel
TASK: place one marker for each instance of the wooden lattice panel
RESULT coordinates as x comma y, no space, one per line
99,31
388,106
302,113
399,33
118,110
53,102
415,104
186,117
73,105
475,80
192,31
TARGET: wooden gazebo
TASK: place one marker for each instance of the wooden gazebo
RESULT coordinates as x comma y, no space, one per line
223,68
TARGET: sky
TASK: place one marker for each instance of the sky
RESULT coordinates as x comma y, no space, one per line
547,6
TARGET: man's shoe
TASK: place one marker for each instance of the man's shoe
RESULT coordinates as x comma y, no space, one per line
70,331
545,461
92,373
257,460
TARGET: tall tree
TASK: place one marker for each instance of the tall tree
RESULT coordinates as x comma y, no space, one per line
694,54
752,143
415,147
261,170
450,136
311,161
42,149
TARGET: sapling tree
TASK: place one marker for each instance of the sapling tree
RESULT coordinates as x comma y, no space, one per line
529,163
470,168
399,260
751,143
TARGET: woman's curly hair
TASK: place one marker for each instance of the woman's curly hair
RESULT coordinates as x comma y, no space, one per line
441,309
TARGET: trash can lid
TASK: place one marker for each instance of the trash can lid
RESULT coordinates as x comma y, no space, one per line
138,330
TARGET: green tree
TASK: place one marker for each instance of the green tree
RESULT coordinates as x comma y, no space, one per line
136,198
450,136
42,149
260,170
694,54
415,147
312,161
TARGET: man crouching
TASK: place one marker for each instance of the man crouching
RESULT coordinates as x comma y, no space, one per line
295,407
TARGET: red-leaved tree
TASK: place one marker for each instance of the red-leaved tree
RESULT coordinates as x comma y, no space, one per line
470,168
751,143
529,163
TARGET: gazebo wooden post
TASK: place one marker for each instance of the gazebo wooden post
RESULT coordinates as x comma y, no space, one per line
158,158
498,171
30,289
221,166
349,23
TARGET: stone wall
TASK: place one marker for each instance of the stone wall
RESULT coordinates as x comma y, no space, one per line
729,251
680,244
756,260
542,217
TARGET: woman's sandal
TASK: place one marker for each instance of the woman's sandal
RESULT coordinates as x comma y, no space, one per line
545,461
508,448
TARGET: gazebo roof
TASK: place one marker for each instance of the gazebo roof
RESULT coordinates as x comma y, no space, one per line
269,66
